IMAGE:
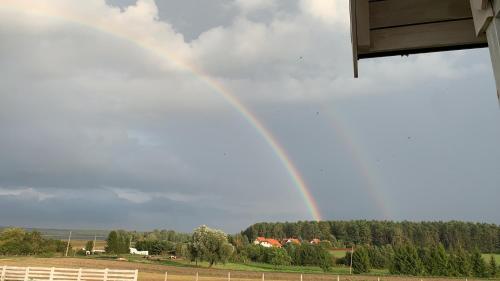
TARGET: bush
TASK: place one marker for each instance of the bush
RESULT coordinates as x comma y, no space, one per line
16,241
278,257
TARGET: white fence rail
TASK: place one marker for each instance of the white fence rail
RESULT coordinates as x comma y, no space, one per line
14,273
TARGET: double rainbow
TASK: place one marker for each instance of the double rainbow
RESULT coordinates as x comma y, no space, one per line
40,9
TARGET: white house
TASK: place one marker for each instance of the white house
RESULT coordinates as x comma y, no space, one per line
134,251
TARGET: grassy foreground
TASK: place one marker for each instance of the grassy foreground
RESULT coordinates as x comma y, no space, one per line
149,271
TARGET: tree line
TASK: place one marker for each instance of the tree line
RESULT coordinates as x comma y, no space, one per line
16,241
411,260
453,234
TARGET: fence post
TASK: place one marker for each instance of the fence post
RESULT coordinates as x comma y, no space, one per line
378,278
166,275
2,276
105,275
136,274
338,278
301,277
196,275
262,276
26,273
229,276
51,276
79,275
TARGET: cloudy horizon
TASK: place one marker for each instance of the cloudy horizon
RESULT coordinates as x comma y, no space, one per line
120,114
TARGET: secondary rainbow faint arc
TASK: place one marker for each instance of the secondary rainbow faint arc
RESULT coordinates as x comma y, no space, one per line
368,175
278,149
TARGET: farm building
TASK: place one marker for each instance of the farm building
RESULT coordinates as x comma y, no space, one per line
267,242
134,251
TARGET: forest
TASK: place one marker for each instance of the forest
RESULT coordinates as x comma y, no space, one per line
452,235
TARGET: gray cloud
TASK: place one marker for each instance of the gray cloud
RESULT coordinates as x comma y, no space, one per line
100,127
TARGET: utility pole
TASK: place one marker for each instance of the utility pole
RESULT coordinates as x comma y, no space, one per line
67,246
350,267
93,245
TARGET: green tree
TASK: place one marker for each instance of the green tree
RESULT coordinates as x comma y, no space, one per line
112,243
11,240
478,265
459,263
182,250
360,261
377,258
89,246
211,245
406,261
325,259
438,261
279,257
492,267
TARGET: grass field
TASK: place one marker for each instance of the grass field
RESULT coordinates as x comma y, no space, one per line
487,257
179,271
338,254
261,267
78,244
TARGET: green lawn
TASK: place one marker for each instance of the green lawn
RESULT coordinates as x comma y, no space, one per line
257,267
486,257
338,254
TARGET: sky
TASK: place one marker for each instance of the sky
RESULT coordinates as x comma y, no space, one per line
176,113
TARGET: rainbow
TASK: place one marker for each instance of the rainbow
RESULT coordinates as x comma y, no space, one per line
367,171
40,9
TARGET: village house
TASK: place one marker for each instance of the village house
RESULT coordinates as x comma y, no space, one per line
267,242
290,240
315,241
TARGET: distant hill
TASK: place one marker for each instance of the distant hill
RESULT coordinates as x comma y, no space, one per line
62,234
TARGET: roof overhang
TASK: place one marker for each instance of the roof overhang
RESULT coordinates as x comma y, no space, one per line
401,27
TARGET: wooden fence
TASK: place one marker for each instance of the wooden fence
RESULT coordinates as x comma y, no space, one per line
13,273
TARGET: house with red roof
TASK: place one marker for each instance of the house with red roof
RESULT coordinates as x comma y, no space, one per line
267,242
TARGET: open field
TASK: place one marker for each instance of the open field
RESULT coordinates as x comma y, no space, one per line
156,272
78,244
487,257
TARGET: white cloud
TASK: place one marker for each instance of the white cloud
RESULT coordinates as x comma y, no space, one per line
329,11
247,6
25,193
140,197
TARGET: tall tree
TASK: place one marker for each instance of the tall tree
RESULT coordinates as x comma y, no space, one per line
360,261
438,261
406,261
89,246
492,267
478,265
459,263
112,243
